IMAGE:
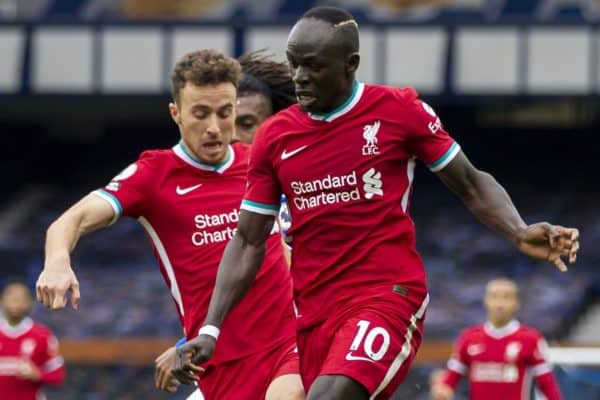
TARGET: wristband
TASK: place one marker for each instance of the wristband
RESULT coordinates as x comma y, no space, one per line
209,330
180,342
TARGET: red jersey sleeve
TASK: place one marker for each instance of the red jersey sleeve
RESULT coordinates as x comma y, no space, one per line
459,362
126,192
538,356
52,366
263,193
542,370
427,138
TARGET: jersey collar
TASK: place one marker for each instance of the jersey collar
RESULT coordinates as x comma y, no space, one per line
357,91
15,331
183,153
499,333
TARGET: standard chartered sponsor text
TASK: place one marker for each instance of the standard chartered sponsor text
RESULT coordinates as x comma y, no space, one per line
319,192
222,231
202,221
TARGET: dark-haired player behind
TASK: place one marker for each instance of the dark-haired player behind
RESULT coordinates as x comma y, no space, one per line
265,88
344,158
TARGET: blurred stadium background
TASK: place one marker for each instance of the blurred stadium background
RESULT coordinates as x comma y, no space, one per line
84,87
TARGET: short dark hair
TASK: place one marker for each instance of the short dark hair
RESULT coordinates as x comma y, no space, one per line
264,76
341,20
204,67
333,15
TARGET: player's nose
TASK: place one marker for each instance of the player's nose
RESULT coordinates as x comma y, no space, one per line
213,127
300,76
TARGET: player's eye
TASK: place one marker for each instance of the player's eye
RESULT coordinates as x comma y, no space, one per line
200,115
248,126
225,113
315,67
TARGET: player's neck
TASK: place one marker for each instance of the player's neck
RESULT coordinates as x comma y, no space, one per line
197,158
14,321
501,330
500,324
343,98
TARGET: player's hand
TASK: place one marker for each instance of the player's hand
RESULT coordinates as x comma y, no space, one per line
543,241
54,283
26,369
190,355
163,377
442,392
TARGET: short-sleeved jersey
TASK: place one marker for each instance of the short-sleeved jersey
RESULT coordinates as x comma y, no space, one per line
34,342
347,177
190,211
500,363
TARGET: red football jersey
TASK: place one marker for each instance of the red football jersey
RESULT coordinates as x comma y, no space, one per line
190,210
501,363
34,342
347,177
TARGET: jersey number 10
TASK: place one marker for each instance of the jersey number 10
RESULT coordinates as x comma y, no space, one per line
369,341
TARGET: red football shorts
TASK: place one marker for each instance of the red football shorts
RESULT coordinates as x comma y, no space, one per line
374,342
249,377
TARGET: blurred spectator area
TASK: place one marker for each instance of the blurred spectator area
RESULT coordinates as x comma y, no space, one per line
219,9
160,9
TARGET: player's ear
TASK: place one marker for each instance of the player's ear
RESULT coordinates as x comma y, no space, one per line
174,111
352,62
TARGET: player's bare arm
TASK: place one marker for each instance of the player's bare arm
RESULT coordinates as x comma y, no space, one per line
57,277
490,203
240,263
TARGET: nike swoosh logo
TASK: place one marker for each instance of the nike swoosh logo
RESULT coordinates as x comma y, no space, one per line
285,155
181,191
350,357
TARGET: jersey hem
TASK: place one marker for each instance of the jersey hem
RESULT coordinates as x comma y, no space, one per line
260,208
541,369
445,159
457,366
113,201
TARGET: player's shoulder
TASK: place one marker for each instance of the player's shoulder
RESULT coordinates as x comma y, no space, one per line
472,332
40,330
150,162
241,150
282,121
401,104
528,332
155,155
404,95
147,160
274,127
